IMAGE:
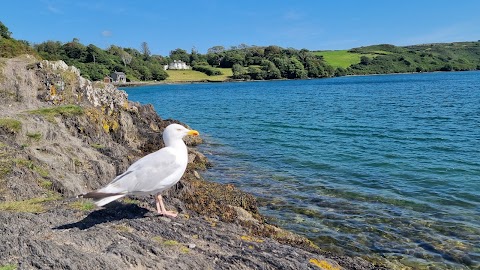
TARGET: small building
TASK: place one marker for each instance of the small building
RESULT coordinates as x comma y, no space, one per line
107,79
118,77
176,64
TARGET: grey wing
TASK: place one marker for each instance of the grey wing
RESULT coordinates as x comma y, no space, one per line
146,174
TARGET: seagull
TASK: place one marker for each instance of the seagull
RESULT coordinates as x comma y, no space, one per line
151,174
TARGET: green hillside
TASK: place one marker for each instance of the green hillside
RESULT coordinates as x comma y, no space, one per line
345,58
386,58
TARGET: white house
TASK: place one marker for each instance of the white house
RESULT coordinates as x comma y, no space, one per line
176,64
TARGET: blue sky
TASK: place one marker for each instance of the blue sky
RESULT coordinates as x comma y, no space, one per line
315,25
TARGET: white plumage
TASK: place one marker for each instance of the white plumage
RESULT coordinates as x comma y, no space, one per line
151,174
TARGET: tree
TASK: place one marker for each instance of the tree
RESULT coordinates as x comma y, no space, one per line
255,73
4,33
340,72
179,54
126,58
214,59
364,60
271,71
50,50
290,68
97,55
272,52
158,73
239,72
145,50
296,70
75,50
216,49
231,58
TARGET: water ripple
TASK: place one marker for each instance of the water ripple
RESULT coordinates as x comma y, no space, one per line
386,165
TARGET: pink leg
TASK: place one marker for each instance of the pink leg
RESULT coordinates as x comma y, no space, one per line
161,207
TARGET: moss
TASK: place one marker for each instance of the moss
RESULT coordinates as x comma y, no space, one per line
46,184
123,228
6,162
184,249
34,205
32,166
77,162
83,205
65,110
8,267
248,238
35,136
10,125
170,243
97,146
5,166
131,201
164,242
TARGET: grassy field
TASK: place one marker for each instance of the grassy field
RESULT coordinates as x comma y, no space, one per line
196,76
343,58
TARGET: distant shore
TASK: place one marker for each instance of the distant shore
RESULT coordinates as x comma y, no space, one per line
141,83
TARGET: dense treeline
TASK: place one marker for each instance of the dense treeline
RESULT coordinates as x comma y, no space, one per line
96,63
266,63
247,62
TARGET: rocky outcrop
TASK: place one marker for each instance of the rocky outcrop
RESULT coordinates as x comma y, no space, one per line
62,135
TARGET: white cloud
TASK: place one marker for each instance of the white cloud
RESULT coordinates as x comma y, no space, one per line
293,15
106,33
52,8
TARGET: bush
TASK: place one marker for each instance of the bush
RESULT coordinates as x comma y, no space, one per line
210,71
255,73
239,72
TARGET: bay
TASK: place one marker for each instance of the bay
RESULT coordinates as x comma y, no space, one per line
384,167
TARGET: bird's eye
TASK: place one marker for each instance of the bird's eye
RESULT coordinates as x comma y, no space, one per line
179,129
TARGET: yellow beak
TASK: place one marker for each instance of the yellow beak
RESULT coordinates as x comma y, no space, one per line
193,133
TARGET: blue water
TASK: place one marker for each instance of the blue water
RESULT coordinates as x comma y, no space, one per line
383,167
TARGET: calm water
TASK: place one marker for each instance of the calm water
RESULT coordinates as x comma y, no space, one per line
385,167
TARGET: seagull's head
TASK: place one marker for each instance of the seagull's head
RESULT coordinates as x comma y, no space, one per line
175,132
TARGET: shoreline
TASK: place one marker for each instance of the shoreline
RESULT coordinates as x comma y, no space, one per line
152,83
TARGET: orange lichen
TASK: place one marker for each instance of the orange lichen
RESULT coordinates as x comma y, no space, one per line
53,90
106,126
322,264
249,238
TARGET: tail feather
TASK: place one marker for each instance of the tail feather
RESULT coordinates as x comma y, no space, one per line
102,198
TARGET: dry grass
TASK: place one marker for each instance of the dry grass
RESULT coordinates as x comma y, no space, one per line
34,205
197,76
